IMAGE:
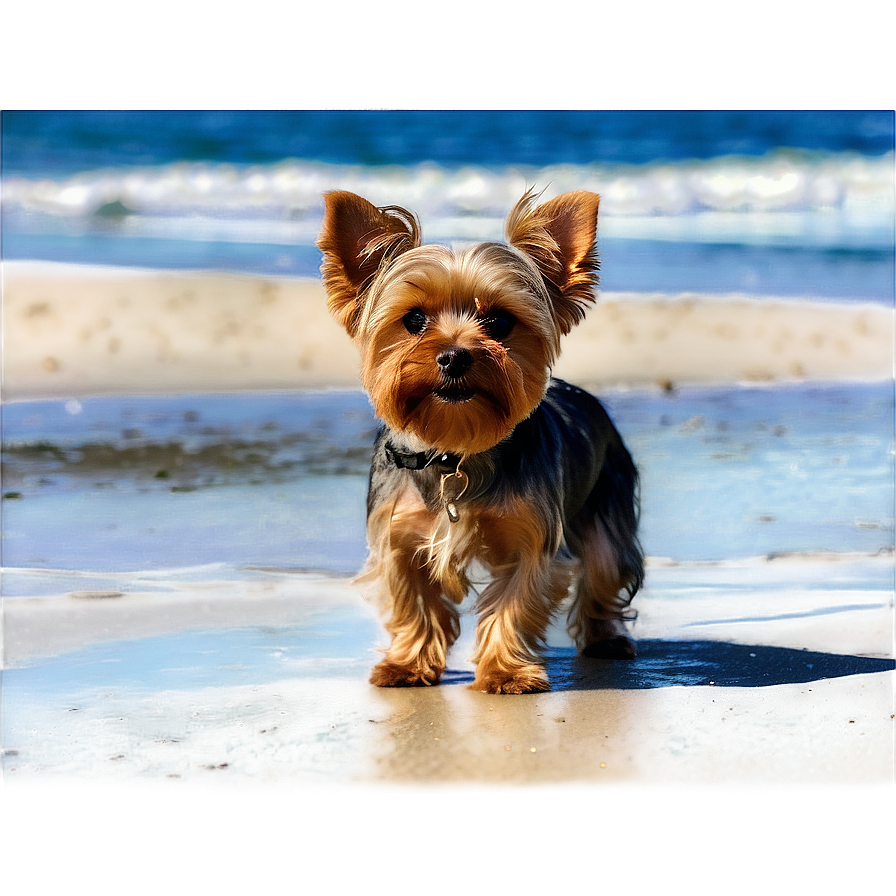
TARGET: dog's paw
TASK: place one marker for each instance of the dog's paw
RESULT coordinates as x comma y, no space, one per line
620,647
391,675
530,680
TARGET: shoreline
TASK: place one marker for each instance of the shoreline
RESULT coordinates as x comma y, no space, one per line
73,332
37,627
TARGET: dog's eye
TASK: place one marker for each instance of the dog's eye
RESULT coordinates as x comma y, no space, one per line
498,324
414,321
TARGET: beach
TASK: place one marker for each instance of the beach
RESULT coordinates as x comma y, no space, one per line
185,461
764,659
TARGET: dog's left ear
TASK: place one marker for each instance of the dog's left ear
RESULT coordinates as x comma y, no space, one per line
559,237
356,239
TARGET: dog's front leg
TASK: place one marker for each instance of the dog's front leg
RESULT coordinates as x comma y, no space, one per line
516,608
514,613
422,625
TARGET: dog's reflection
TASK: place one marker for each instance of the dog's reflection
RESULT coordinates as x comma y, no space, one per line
455,737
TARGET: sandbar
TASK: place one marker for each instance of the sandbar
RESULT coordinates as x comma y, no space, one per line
72,331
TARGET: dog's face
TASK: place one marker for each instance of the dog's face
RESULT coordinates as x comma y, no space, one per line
456,347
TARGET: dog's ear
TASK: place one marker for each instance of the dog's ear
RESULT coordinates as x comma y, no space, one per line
559,237
356,239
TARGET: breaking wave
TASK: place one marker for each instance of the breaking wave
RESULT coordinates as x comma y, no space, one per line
778,181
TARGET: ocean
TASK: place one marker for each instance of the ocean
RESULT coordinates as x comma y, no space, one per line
796,204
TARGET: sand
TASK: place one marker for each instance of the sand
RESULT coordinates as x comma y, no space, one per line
319,746
184,784
72,331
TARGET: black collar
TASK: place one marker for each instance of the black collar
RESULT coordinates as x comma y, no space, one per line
420,460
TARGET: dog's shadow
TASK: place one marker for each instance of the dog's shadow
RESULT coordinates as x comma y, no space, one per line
662,664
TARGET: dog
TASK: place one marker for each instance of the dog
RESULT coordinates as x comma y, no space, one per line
482,455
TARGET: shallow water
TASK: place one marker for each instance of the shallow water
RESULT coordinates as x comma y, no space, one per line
110,485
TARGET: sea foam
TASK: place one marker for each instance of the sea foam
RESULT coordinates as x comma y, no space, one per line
833,196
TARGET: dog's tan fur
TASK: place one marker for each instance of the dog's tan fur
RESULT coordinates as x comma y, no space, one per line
456,350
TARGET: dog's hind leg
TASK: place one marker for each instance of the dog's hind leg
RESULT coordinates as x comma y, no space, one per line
604,538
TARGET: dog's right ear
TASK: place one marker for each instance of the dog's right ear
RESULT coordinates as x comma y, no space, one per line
357,238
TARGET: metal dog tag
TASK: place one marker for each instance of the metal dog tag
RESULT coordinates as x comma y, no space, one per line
452,487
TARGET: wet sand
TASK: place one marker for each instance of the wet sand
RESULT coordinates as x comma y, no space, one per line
794,685
72,331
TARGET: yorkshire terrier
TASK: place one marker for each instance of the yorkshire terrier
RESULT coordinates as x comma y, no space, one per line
482,455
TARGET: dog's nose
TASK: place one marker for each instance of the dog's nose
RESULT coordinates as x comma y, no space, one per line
454,362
